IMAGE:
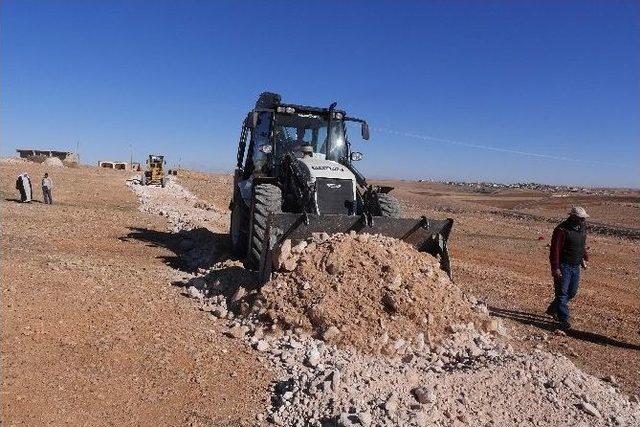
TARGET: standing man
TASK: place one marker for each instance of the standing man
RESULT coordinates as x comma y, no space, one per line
568,253
47,185
23,185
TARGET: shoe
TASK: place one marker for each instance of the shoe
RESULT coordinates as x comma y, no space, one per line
551,311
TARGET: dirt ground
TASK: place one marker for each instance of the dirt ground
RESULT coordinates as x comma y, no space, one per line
92,331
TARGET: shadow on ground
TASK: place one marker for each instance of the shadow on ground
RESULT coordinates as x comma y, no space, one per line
193,249
201,248
544,322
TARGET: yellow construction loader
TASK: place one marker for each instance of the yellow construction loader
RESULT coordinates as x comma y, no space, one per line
154,173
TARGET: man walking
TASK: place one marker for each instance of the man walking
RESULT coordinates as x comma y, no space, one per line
568,253
47,185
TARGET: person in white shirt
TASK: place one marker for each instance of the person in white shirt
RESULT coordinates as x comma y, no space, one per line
47,186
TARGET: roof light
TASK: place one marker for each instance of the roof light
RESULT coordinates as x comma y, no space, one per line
290,110
280,109
339,116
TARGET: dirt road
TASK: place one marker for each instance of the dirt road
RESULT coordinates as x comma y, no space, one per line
93,332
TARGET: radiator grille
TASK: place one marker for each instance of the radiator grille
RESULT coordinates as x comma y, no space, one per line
335,196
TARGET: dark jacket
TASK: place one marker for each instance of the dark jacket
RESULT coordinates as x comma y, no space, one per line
568,244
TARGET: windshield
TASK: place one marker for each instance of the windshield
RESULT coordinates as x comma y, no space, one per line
291,132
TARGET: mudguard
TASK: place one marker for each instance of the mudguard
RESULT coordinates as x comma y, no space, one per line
425,234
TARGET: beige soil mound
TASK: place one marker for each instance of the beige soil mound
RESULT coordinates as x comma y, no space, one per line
372,292
53,162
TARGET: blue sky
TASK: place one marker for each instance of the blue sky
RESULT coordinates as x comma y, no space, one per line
497,90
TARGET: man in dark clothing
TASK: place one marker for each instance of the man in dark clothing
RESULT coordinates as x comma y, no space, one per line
23,185
568,253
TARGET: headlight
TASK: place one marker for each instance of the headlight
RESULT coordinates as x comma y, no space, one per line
266,149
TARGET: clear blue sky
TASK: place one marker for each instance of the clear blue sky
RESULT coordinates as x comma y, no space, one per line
462,90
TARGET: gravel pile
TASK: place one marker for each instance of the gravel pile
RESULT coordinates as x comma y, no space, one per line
183,210
367,291
472,377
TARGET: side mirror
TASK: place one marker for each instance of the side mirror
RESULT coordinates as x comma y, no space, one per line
356,156
365,131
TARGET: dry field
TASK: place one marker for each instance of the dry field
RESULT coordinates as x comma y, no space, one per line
94,334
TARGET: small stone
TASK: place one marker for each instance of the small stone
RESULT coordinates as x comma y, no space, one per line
237,331
290,264
399,344
590,409
282,253
332,269
237,296
365,418
331,333
219,312
262,345
194,292
299,248
391,405
396,282
424,395
313,358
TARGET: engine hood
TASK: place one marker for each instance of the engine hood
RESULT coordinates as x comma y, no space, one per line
319,167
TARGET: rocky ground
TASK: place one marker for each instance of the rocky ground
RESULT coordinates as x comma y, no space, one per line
116,340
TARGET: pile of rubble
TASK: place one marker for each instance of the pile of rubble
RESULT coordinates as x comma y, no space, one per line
471,377
183,210
371,292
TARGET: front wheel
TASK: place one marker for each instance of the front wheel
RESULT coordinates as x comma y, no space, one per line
388,206
267,198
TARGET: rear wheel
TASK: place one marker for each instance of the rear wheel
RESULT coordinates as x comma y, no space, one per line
388,206
267,198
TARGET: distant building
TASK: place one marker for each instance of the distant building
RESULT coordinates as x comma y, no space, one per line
40,155
109,164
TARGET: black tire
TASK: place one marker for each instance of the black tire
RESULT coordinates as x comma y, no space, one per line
388,206
267,198
239,225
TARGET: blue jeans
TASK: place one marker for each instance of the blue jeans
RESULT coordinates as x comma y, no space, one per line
565,289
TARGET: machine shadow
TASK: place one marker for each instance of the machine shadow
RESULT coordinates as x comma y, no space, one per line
193,249
201,248
545,323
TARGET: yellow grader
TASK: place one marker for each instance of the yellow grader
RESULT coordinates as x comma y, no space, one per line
154,173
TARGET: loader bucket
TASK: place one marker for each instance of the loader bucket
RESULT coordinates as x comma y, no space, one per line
426,235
